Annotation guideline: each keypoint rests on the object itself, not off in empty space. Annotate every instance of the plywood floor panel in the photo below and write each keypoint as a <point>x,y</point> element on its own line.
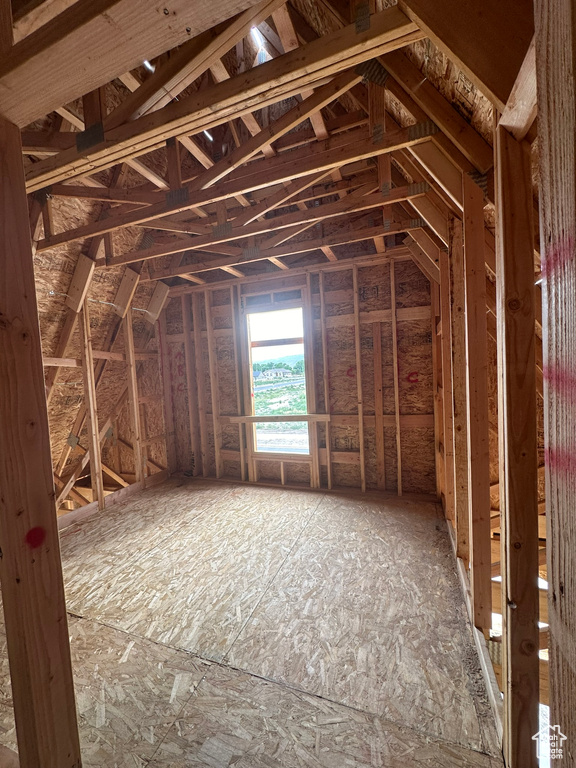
<point>186,597</point>
<point>198,584</point>
<point>129,692</point>
<point>236,719</point>
<point>367,611</point>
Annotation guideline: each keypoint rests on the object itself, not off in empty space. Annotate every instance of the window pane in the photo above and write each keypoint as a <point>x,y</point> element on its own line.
<point>282,437</point>
<point>278,380</point>
<point>279,324</point>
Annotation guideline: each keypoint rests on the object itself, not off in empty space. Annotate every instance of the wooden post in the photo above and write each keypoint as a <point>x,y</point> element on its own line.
<point>556,71</point>
<point>214,386</point>
<point>518,439</point>
<point>309,362</point>
<point>191,386</point>
<point>436,370</point>
<point>200,382</point>
<point>379,406</point>
<point>167,399</point>
<point>460,421</point>
<point>477,391</point>
<point>359,378</point>
<point>133,403</point>
<point>30,567</point>
<point>395,371</point>
<point>326,364</point>
<point>6,30</point>
<point>237,369</point>
<point>91,408</point>
<point>447,414</point>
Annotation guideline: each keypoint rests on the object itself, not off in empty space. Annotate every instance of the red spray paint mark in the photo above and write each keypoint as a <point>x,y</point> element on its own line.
<point>35,537</point>
<point>351,372</point>
<point>412,378</point>
<point>557,255</point>
<point>562,381</point>
<point>559,461</point>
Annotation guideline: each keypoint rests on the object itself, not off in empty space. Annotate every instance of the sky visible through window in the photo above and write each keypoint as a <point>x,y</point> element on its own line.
<point>279,380</point>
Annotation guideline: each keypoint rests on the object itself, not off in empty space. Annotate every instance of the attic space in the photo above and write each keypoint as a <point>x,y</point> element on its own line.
<point>287,350</point>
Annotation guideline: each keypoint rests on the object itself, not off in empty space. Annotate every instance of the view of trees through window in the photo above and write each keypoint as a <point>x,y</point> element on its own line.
<point>279,379</point>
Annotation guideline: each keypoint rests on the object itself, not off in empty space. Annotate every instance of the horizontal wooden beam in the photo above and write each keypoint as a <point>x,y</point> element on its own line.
<point>268,83</point>
<point>344,237</point>
<point>283,172</point>
<point>41,73</point>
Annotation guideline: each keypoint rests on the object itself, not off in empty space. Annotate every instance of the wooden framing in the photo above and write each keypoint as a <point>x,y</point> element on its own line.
<point>200,377</point>
<point>518,449</point>
<point>456,26</point>
<point>133,400</point>
<point>91,407</point>
<point>30,569</point>
<point>325,378</point>
<point>556,77</point>
<point>459,387</point>
<point>191,382</point>
<point>359,389</point>
<point>447,412</point>
<point>214,388</point>
<point>395,375</point>
<point>477,412</point>
<point>231,200</point>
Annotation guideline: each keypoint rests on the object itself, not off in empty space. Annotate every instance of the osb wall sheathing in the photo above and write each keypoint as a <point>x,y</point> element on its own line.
<point>415,378</point>
<point>54,270</point>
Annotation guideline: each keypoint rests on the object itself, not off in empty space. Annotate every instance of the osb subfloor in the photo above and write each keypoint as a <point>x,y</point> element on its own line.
<point>223,625</point>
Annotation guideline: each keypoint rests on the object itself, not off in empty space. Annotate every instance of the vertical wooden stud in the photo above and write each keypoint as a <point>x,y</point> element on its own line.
<point>237,365</point>
<point>91,408</point>
<point>477,391</point>
<point>200,381</point>
<point>191,384</point>
<point>359,379</point>
<point>379,405</point>
<point>6,28</point>
<point>214,386</point>
<point>326,379</point>
<point>396,381</point>
<point>436,356</point>
<point>447,414</point>
<point>518,436</point>
<point>133,403</point>
<point>460,414</point>
<point>30,567</point>
<point>556,77</point>
<point>309,360</point>
<point>174,163</point>
<point>167,395</point>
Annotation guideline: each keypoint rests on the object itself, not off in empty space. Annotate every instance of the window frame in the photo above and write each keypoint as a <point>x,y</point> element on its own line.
<point>253,419</point>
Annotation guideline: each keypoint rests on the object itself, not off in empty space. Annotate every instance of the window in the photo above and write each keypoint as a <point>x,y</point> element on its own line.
<point>278,378</point>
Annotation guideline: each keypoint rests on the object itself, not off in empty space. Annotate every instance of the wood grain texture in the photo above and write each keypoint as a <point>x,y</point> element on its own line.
<point>518,448</point>
<point>32,589</point>
<point>265,84</point>
<point>456,26</point>
<point>133,404</point>
<point>477,390</point>
<point>91,407</point>
<point>41,73</point>
<point>556,72</point>
<point>326,598</point>
<point>446,362</point>
<point>457,297</point>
